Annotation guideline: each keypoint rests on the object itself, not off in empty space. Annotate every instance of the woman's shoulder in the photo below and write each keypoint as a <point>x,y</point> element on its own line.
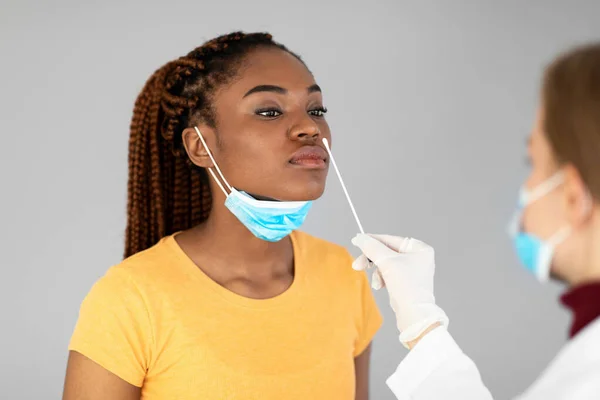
<point>146,266</point>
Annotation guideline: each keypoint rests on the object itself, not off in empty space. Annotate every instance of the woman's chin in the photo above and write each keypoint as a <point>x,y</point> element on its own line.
<point>306,193</point>
<point>289,191</point>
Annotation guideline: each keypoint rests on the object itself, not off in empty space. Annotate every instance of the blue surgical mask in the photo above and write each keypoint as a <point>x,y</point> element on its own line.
<point>535,253</point>
<point>266,219</point>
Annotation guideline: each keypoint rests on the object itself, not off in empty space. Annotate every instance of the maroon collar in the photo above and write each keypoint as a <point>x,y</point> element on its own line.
<point>584,303</point>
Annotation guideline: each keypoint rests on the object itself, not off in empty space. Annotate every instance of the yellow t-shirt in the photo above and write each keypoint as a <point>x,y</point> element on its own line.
<point>158,322</point>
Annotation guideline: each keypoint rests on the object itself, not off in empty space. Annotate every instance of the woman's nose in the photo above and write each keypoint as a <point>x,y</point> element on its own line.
<point>306,129</point>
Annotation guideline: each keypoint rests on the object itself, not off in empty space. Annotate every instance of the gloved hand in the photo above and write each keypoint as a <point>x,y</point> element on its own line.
<point>406,267</point>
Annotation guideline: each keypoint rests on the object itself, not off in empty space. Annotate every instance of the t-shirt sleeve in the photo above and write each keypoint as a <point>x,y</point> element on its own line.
<point>114,329</point>
<point>369,318</point>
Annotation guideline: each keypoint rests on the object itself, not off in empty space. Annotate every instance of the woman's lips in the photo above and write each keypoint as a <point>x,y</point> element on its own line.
<point>310,157</point>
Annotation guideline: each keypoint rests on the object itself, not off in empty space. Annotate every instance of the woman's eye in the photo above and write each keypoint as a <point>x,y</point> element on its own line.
<point>318,112</point>
<point>270,113</point>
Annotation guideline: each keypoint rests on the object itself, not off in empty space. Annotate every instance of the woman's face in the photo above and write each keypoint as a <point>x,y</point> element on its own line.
<point>269,129</point>
<point>568,205</point>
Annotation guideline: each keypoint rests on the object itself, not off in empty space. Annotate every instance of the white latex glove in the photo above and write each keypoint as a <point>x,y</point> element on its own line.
<point>405,266</point>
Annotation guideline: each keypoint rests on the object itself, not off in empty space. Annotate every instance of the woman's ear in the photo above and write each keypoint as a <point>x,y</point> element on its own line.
<point>578,199</point>
<point>194,147</point>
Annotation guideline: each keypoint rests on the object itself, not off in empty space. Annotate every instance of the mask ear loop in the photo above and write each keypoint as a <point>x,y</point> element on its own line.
<point>560,236</point>
<point>528,197</point>
<point>215,164</point>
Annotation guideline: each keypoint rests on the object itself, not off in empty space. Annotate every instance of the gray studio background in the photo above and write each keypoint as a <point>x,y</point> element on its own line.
<point>430,106</point>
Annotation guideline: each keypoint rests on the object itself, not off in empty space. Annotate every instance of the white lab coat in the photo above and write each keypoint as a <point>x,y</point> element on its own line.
<point>437,369</point>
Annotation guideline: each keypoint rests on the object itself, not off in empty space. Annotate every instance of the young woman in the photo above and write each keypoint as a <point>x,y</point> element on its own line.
<point>556,235</point>
<point>220,297</point>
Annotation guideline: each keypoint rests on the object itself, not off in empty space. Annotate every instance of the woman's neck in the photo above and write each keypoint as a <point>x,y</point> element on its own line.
<point>583,295</point>
<point>224,242</point>
<point>583,263</point>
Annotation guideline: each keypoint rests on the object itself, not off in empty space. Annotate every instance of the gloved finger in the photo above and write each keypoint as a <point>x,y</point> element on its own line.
<point>403,245</point>
<point>377,281</point>
<point>361,263</point>
<point>372,248</point>
<point>397,243</point>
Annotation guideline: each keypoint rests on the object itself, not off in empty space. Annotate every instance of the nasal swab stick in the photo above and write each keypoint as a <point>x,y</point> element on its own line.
<point>337,171</point>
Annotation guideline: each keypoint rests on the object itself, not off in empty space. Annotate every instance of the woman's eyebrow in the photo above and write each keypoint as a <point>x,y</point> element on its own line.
<point>266,88</point>
<point>278,89</point>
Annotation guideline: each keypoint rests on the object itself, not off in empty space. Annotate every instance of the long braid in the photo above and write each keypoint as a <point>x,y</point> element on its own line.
<point>166,192</point>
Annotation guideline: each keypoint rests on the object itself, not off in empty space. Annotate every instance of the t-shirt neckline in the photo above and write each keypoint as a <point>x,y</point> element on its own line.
<point>280,300</point>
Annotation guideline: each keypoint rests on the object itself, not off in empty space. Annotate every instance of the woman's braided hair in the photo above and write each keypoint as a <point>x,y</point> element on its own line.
<point>166,192</point>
